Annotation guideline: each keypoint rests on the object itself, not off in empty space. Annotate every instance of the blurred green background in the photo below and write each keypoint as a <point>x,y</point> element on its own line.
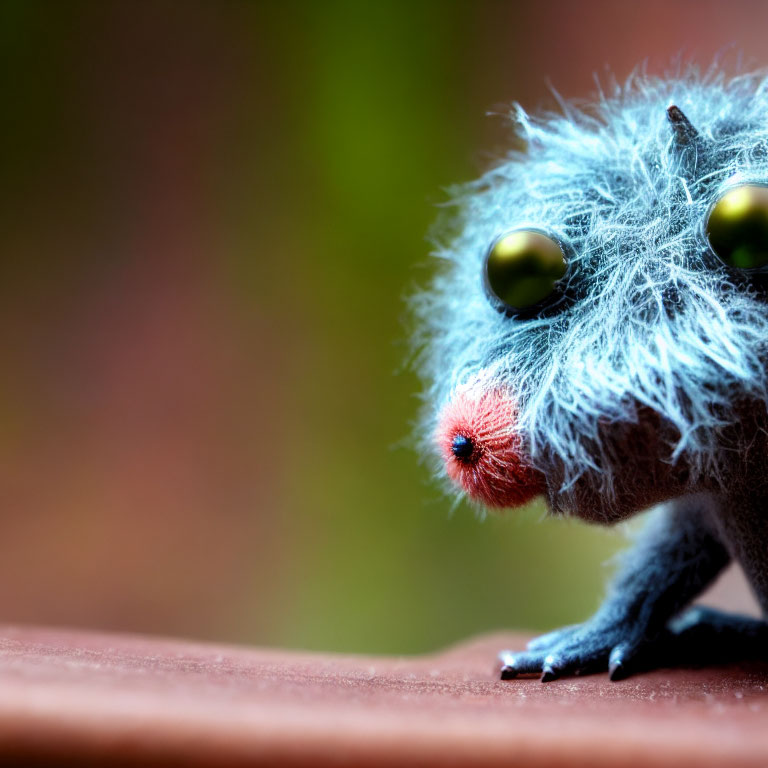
<point>211,214</point>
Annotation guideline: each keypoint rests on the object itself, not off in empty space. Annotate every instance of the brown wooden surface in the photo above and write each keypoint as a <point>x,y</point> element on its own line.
<point>84,698</point>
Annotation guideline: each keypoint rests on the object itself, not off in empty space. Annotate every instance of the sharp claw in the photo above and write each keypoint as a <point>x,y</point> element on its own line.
<point>549,674</point>
<point>617,663</point>
<point>508,672</point>
<point>617,670</point>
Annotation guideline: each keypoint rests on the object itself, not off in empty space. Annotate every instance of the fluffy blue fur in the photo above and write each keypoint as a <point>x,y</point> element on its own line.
<point>602,178</point>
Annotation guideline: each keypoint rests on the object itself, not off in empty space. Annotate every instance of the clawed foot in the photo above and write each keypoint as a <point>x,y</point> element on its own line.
<point>700,636</point>
<point>579,650</point>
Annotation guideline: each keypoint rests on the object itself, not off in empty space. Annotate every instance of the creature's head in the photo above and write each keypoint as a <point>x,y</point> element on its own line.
<point>598,330</point>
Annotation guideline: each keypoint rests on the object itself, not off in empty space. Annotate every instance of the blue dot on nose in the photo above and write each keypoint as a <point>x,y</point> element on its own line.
<point>462,447</point>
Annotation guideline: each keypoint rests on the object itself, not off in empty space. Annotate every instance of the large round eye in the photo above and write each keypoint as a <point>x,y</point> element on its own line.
<point>737,227</point>
<point>522,268</point>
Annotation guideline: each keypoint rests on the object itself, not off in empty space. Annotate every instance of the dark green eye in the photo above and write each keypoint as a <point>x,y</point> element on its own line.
<point>737,227</point>
<point>522,268</point>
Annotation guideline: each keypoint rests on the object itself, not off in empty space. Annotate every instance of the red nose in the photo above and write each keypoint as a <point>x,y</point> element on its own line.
<point>483,451</point>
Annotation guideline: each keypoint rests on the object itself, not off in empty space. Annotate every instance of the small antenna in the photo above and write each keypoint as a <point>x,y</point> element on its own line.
<point>687,144</point>
<point>685,134</point>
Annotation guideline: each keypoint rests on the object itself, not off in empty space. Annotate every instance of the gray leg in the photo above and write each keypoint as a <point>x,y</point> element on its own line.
<point>678,554</point>
<point>742,520</point>
<point>706,636</point>
<point>703,636</point>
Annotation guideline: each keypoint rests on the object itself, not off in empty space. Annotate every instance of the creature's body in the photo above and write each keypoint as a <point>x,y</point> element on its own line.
<point>641,377</point>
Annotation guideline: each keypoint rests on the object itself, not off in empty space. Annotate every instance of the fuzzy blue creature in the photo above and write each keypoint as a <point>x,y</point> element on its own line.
<point>597,333</point>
